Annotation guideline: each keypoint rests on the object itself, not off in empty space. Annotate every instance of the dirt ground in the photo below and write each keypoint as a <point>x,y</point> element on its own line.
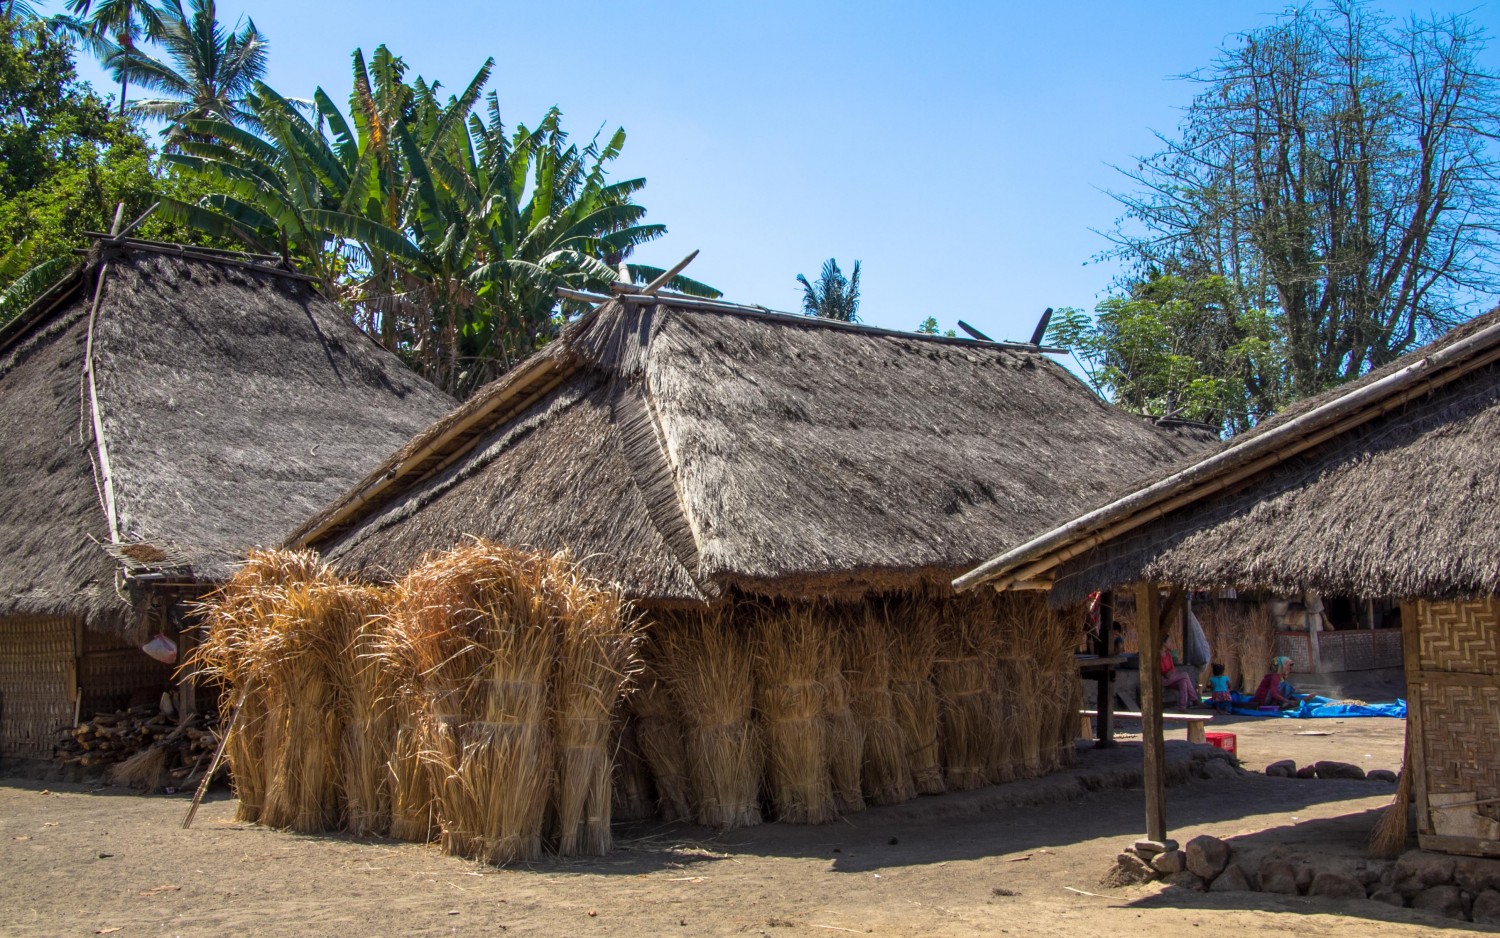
<point>82,862</point>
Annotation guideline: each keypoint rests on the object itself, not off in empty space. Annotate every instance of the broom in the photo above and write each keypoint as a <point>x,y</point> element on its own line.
<point>1388,839</point>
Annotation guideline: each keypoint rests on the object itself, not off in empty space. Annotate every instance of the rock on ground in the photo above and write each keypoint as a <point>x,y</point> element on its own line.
<point>1336,886</point>
<point>1278,876</point>
<point>1207,856</point>
<point>1444,900</point>
<point>1186,880</point>
<point>1381,775</point>
<point>1338,770</point>
<point>1284,768</point>
<point>1233,879</point>
<point>1388,896</point>
<point>1173,861</point>
<point>1487,908</point>
<point>1416,870</point>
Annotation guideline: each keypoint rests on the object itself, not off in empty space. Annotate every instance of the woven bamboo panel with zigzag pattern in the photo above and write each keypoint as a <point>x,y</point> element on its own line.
<point>1460,636</point>
<point>1462,729</point>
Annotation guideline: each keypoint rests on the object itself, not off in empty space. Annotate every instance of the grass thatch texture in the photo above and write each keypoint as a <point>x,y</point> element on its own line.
<point>597,658</point>
<point>482,636</point>
<point>886,761</point>
<point>708,666</point>
<point>1055,635</point>
<point>272,630</point>
<point>634,796</point>
<point>367,683</point>
<point>413,815</point>
<point>914,630</point>
<point>790,650</point>
<point>1242,637</point>
<point>843,734</point>
<point>659,732</point>
<point>963,675</point>
<point>146,769</point>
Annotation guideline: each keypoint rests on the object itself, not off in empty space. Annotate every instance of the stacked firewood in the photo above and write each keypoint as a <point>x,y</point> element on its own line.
<point>142,747</point>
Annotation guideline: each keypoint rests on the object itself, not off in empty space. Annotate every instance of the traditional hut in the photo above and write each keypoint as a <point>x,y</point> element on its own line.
<point>1386,487</point>
<point>166,410</point>
<point>787,499</point>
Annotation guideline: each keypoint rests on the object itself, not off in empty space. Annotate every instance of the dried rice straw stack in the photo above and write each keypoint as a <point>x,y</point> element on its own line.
<point>915,643</point>
<point>790,649</point>
<point>845,737</point>
<point>887,775</point>
<point>597,658</point>
<point>659,733</point>
<point>634,797</point>
<point>709,669</point>
<point>367,687</point>
<point>963,678</point>
<point>480,627</point>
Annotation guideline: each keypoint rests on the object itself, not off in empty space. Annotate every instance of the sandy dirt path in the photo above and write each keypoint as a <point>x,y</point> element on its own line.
<point>82,863</point>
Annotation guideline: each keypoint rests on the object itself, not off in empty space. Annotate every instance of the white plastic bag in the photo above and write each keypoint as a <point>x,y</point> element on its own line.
<point>161,648</point>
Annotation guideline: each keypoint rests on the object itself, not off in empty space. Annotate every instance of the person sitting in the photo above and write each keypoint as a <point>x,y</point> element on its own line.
<point>1218,685</point>
<point>1178,679</point>
<point>1275,690</point>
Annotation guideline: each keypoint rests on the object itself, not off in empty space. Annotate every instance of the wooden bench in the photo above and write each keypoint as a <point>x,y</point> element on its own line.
<point>1194,721</point>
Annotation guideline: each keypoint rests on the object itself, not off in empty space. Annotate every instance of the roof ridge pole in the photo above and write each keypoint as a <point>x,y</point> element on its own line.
<point>103,476</point>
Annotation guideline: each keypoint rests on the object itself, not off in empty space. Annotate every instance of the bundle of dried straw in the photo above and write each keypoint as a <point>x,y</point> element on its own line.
<point>791,649</point>
<point>914,631</point>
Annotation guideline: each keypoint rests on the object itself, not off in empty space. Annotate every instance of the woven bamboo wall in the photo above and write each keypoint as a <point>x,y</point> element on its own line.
<point>1453,671</point>
<point>37,682</point>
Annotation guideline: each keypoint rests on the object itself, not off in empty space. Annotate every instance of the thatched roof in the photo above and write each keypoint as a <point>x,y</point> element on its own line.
<point>233,402</point>
<point>1386,487</point>
<point>682,452</point>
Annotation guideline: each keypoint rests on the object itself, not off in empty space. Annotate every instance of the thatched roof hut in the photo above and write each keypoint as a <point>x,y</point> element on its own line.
<point>167,409</point>
<point>688,449</point>
<point>1386,487</point>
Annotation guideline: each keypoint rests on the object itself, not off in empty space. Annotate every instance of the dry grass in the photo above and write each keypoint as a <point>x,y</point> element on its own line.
<point>964,677</point>
<point>476,699</point>
<point>660,735</point>
<point>1242,637</point>
<point>633,794</point>
<point>146,770</point>
<point>708,666</point>
<point>791,650</point>
<point>914,628</point>
<point>843,731</point>
<point>887,766</point>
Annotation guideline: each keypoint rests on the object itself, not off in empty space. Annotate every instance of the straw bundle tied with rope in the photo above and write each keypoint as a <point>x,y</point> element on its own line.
<point>709,668</point>
<point>633,795</point>
<point>886,763</point>
<point>1053,636</point>
<point>276,630</point>
<point>790,650</point>
<point>1242,637</point>
<point>662,743</point>
<point>842,730</point>
<point>437,705</point>
<point>968,718</point>
<point>914,629</point>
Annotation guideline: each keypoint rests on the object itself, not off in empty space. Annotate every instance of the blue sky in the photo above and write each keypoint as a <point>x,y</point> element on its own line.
<point>960,150</point>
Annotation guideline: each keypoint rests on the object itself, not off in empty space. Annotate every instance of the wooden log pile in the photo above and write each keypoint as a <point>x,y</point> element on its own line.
<point>142,747</point>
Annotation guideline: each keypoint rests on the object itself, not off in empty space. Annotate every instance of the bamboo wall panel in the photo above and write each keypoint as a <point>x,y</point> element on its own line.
<point>37,681</point>
<point>1453,674</point>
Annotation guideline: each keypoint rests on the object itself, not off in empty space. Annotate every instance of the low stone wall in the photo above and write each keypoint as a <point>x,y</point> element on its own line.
<point>1462,888</point>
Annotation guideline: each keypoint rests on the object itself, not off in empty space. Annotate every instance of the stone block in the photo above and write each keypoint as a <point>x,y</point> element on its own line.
<point>1207,856</point>
<point>1417,870</point>
<point>1186,880</point>
<point>1381,775</point>
<point>1172,861</point>
<point>1283,768</point>
<point>1278,876</point>
<point>1487,907</point>
<point>1233,879</point>
<point>1332,885</point>
<point>1307,771</point>
<point>1338,770</point>
<point>1443,900</point>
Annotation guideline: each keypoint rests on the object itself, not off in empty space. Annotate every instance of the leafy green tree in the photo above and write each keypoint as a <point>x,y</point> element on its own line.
<point>208,70</point>
<point>1179,346</point>
<point>1337,173</point>
<point>66,161</point>
<point>832,296</point>
<point>446,232</point>
<point>108,28</point>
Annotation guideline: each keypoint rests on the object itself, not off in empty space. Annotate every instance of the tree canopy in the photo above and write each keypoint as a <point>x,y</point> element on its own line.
<point>1326,204</point>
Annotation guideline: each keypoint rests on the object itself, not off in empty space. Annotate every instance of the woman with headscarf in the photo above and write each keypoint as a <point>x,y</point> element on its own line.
<point>1275,690</point>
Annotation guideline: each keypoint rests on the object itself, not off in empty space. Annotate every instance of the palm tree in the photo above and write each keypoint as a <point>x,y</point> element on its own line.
<point>833,296</point>
<point>109,29</point>
<point>212,69</point>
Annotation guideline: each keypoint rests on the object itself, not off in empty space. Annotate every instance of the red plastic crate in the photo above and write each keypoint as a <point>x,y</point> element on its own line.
<point>1224,741</point>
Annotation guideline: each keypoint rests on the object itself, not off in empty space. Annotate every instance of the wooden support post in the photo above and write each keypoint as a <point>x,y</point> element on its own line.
<point>1104,649</point>
<point>1149,633</point>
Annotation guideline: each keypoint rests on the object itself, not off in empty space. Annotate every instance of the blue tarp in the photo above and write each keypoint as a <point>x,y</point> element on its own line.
<point>1322,708</point>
